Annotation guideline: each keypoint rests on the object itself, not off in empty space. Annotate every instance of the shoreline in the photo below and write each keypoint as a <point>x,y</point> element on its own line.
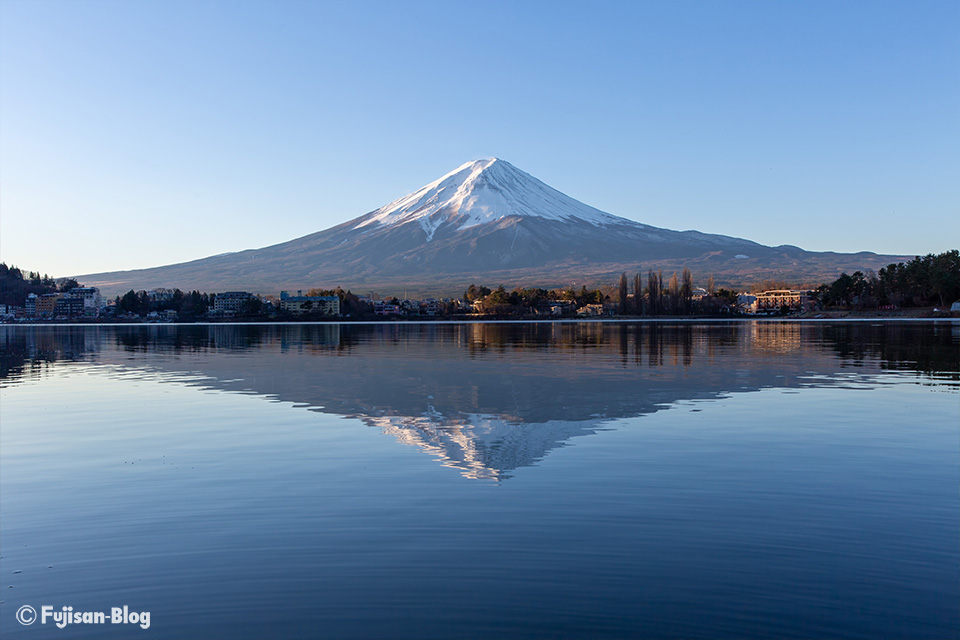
<point>620,320</point>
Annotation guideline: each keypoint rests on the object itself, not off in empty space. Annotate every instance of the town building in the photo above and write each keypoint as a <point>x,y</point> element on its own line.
<point>92,300</point>
<point>431,306</point>
<point>590,310</point>
<point>324,305</point>
<point>46,304</point>
<point>747,303</point>
<point>777,299</point>
<point>231,302</point>
<point>384,308</point>
<point>557,308</point>
<point>68,307</point>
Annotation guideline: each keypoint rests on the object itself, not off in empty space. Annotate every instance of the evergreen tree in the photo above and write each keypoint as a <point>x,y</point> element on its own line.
<point>66,284</point>
<point>129,303</point>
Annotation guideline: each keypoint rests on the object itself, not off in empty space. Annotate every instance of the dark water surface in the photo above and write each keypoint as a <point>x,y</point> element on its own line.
<point>582,480</point>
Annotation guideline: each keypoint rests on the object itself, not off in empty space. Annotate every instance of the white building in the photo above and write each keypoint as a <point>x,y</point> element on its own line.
<point>326,305</point>
<point>231,302</point>
<point>92,300</point>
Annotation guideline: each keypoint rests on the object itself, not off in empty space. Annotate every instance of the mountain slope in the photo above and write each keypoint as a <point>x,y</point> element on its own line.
<point>486,221</point>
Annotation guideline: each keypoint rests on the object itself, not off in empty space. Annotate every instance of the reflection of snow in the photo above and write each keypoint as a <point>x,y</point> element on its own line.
<point>482,446</point>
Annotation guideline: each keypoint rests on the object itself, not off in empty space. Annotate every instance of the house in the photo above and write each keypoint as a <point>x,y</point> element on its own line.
<point>590,310</point>
<point>384,308</point>
<point>747,303</point>
<point>561,307</point>
<point>431,307</point>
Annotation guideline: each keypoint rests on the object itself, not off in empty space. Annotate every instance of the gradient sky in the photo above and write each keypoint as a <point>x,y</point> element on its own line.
<point>136,134</point>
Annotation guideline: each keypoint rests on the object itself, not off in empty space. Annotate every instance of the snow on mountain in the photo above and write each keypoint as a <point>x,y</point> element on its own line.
<point>480,192</point>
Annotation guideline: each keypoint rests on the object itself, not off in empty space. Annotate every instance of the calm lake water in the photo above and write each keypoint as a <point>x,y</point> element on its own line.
<point>582,480</point>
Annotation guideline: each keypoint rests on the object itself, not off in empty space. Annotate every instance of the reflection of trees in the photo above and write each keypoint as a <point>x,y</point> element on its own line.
<point>923,347</point>
<point>26,351</point>
<point>173,339</point>
<point>489,398</point>
<point>226,337</point>
<point>932,349</point>
<point>501,338</point>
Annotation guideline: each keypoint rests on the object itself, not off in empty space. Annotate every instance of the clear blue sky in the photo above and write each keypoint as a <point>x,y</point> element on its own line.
<point>140,133</point>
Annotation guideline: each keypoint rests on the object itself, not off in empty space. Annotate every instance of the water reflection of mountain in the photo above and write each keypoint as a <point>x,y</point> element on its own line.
<point>491,398</point>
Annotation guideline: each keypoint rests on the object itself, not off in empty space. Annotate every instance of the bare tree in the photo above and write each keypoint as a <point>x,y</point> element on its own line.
<point>622,294</point>
<point>673,291</point>
<point>686,290</point>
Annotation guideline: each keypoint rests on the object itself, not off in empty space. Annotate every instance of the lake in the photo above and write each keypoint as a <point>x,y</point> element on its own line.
<point>502,480</point>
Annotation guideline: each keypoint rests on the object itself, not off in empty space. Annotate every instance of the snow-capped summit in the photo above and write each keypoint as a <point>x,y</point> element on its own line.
<point>479,192</point>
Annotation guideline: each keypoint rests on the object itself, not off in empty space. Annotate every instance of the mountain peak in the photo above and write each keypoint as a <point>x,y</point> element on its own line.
<point>481,192</point>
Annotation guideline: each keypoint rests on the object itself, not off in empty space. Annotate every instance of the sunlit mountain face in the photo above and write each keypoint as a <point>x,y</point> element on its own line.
<point>486,221</point>
<point>487,400</point>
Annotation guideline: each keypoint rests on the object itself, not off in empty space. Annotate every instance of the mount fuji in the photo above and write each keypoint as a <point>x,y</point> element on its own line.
<point>486,222</point>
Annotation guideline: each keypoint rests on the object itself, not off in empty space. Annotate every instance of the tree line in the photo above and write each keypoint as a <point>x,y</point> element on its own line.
<point>350,305</point>
<point>654,296</point>
<point>524,301</point>
<point>16,285</point>
<point>186,305</point>
<point>924,281</point>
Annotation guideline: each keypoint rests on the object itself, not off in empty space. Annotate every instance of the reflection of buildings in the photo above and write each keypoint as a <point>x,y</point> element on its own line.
<point>777,337</point>
<point>25,351</point>
<point>310,337</point>
<point>488,399</point>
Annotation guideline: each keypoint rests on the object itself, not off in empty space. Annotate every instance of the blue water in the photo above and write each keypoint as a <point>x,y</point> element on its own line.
<point>583,480</point>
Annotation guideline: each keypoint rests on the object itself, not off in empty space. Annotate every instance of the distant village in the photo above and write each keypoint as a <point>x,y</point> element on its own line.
<point>158,305</point>
<point>931,281</point>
